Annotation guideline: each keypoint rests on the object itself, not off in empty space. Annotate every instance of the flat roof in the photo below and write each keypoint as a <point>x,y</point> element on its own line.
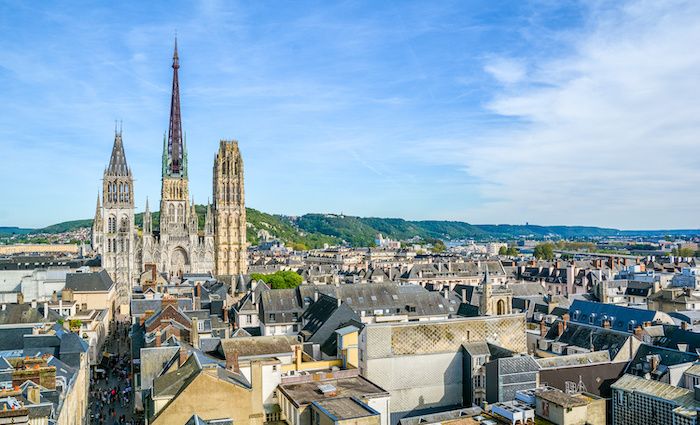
<point>307,392</point>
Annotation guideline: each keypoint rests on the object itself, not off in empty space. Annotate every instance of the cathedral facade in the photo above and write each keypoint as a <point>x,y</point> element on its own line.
<point>178,245</point>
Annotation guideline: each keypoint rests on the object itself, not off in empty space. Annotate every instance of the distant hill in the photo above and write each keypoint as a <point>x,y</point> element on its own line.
<point>9,231</point>
<point>315,230</point>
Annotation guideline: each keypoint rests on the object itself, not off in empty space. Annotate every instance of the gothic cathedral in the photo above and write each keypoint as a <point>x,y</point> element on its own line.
<point>178,246</point>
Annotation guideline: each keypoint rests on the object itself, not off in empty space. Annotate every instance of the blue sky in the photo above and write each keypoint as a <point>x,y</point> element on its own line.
<point>545,112</point>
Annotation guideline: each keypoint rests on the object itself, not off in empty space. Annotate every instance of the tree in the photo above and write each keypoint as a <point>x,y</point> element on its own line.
<point>683,252</point>
<point>503,250</point>
<point>512,251</point>
<point>544,251</point>
<point>439,246</point>
<point>280,279</point>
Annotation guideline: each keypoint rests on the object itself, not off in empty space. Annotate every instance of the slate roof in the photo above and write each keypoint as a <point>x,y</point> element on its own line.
<point>620,317</point>
<point>152,361</point>
<point>324,318</point>
<point>667,357</point>
<point>170,384</point>
<point>89,282</point>
<point>16,314</point>
<point>141,306</point>
<point>583,336</point>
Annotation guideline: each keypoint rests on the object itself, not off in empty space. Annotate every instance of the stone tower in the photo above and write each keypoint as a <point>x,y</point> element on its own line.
<point>494,301</point>
<point>229,211</point>
<point>113,229</point>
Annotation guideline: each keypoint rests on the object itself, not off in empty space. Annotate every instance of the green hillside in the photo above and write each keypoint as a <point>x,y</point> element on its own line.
<point>315,230</point>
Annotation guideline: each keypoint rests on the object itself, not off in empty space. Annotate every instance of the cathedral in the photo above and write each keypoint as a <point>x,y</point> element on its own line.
<point>178,246</point>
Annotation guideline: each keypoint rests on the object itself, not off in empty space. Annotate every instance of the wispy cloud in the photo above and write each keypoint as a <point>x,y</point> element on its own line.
<point>606,130</point>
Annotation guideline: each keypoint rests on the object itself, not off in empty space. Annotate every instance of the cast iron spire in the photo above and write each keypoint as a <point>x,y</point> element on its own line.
<point>175,148</point>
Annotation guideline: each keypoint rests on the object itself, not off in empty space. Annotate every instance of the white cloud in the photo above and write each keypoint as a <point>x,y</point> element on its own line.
<point>506,71</point>
<point>607,134</point>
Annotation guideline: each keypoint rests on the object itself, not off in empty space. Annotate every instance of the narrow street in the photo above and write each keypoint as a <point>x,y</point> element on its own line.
<point>111,395</point>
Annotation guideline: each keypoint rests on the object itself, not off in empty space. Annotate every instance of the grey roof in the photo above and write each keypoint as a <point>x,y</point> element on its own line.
<point>141,306</point>
<point>152,361</point>
<point>323,318</point>
<point>171,383</point>
<point>17,314</point>
<point>619,316</point>
<point>589,337</point>
<point>89,282</point>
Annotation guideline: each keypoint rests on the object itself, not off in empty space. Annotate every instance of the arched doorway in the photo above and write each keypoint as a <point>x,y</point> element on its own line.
<point>179,263</point>
<point>500,307</point>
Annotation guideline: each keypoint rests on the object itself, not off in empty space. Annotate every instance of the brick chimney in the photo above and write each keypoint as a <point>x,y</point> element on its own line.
<point>565,318</point>
<point>638,331</point>
<point>560,328</point>
<point>543,328</point>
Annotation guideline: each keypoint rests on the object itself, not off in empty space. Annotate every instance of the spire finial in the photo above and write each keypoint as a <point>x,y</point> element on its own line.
<point>176,62</point>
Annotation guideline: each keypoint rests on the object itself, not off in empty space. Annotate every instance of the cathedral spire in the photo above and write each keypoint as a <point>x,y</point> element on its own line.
<point>175,149</point>
<point>117,162</point>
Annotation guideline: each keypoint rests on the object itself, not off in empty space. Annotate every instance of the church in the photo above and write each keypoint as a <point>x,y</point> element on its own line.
<point>177,246</point>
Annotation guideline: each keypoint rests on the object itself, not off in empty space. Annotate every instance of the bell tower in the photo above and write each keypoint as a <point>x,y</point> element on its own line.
<point>116,239</point>
<point>229,211</point>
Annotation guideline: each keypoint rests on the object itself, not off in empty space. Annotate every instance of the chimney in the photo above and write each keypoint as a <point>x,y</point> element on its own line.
<point>638,332</point>
<point>232,361</point>
<point>446,292</point>
<point>606,324</point>
<point>67,295</point>
<point>560,328</point>
<point>34,394</point>
<point>225,315</point>
<point>184,355</point>
<point>20,298</point>
<point>654,362</point>
<point>298,357</point>
<point>4,307</point>
<point>54,297</point>
<point>339,301</point>
<point>464,295</point>
<point>315,296</point>
<point>46,310</point>
<point>157,340</point>
<point>565,318</point>
<point>33,303</point>
<point>194,333</point>
<point>684,326</point>
<point>543,328</point>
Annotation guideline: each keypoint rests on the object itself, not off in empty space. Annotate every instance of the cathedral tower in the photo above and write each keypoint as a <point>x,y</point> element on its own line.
<point>113,229</point>
<point>174,204</point>
<point>229,211</point>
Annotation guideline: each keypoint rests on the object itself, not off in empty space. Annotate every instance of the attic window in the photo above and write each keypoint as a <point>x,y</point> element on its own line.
<point>373,298</point>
